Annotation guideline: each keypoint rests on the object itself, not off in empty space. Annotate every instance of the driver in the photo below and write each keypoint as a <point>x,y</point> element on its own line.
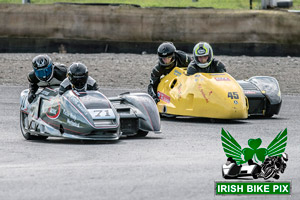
<point>204,60</point>
<point>44,74</point>
<point>168,58</point>
<point>78,79</point>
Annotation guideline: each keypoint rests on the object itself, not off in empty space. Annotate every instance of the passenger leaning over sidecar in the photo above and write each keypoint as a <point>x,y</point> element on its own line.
<point>168,58</point>
<point>78,79</point>
<point>45,74</point>
<point>204,60</point>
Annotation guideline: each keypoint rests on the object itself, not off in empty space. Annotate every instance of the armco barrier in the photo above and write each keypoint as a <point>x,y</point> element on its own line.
<point>47,27</point>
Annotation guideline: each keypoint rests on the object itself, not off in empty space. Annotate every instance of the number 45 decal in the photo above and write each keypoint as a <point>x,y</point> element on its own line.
<point>233,95</point>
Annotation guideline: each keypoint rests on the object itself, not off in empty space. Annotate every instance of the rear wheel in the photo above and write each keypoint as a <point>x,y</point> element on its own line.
<point>24,123</point>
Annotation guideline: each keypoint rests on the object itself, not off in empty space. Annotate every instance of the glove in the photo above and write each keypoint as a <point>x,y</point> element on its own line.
<point>31,97</point>
<point>156,99</point>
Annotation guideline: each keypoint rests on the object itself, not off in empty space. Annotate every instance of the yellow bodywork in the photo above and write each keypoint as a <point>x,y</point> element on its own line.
<point>210,95</point>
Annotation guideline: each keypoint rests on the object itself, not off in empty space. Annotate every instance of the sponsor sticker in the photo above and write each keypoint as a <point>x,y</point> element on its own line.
<point>222,79</point>
<point>177,73</point>
<point>217,74</point>
<point>53,112</point>
<point>163,97</point>
<point>249,92</point>
<point>44,92</point>
<point>73,123</point>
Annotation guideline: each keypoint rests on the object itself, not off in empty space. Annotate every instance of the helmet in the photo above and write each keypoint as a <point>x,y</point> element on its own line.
<point>285,156</point>
<point>43,67</point>
<point>166,49</point>
<point>203,49</point>
<point>78,75</point>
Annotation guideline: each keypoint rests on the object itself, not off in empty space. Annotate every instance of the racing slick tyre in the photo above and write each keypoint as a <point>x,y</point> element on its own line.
<point>26,135</point>
<point>268,113</point>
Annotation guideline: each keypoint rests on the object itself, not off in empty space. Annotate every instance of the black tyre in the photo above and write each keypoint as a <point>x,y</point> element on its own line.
<point>268,113</point>
<point>276,176</point>
<point>27,135</point>
<point>269,173</point>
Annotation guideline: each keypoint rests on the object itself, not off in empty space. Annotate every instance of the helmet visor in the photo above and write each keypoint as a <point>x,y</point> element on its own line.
<point>79,82</point>
<point>166,60</point>
<point>43,73</point>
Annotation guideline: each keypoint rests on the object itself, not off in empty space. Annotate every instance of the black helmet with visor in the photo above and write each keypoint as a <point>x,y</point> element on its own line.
<point>166,50</point>
<point>78,75</point>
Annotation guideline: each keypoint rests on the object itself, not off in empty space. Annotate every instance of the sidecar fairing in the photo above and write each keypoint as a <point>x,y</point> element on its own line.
<point>263,94</point>
<point>85,115</point>
<point>209,95</point>
<point>138,114</point>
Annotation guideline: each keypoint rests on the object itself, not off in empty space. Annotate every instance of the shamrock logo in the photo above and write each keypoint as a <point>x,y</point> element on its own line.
<point>258,153</point>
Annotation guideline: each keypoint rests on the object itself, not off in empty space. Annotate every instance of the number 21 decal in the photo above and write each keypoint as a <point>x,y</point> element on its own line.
<point>233,95</point>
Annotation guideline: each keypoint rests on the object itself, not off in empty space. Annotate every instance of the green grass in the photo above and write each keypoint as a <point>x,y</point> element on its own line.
<point>218,4</point>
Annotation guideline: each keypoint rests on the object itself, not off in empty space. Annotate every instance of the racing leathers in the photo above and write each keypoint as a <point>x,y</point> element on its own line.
<point>215,66</point>
<point>66,85</point>
<point>181,60</point>
<point>59,73</point>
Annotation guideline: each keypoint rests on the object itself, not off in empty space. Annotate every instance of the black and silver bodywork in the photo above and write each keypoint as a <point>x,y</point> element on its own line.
<point>87,115</point>
<point>264,96</point>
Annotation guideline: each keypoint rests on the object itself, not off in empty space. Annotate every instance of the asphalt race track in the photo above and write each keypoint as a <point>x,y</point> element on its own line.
<point>181,163</point>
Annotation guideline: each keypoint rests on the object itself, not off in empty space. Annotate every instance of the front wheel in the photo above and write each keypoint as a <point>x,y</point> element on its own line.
<point>27,135</point>
<point>269,173</point>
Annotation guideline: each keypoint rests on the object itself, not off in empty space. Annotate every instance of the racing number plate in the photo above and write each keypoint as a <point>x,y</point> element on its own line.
<point>102,113</point>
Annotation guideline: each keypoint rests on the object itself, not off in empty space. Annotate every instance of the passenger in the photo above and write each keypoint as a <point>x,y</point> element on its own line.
<point>204,60</point>
<point>44,74</point>
<point>168,58</point>
<point>78,79</point>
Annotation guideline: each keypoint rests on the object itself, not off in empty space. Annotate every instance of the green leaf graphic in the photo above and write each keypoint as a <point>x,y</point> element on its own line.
<point>254,143</point>
<point>254,151</point>
<point>261,154</point>
<point>277,146</point>
<point>231,147</point>
<point>248,153</point>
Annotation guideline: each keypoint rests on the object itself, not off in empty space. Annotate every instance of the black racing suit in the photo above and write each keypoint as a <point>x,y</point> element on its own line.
<point>66,85</point>
<point>214,67</point>
<point>181,60</point>
<point>59,73</point>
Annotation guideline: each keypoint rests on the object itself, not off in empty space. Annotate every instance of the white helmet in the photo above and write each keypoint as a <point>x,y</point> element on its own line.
<point>203,49</point>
